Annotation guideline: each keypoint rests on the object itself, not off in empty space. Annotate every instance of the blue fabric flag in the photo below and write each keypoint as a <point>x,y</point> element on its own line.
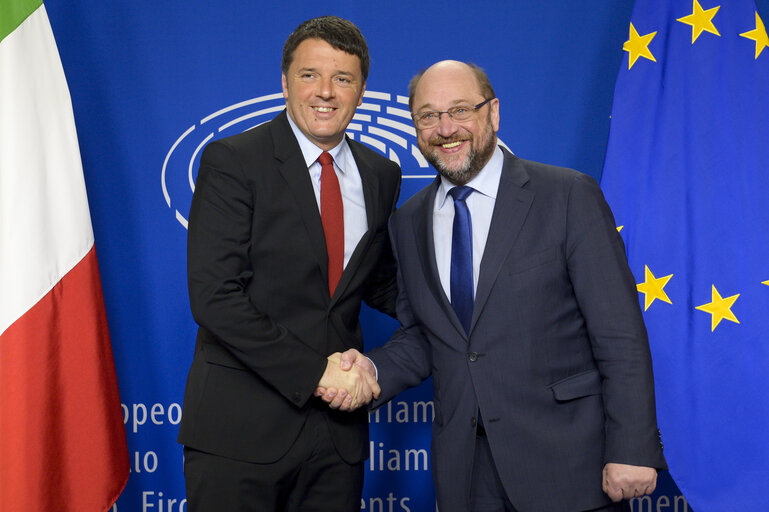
<point>687,176</point>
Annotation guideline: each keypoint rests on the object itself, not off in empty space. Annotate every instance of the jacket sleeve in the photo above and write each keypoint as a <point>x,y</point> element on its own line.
<point>607,297</point>
<point>405,360</point>
<point>382,287</point>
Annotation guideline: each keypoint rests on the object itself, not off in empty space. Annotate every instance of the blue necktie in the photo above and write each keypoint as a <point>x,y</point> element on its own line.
<point>461,283</point>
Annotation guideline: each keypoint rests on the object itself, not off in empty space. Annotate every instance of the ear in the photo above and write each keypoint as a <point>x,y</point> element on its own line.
<point>363,89</point>
<point>494,113</point>
<point>284,83</point>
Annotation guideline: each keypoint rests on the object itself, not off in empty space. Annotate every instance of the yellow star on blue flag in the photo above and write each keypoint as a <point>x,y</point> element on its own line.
<point>701,20</point>
<point>720,308</point>
<point>653,288</point>
<point>758,35</point>
<point>638,46</point>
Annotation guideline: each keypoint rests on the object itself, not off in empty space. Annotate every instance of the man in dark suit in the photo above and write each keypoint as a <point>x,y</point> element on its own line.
<point>287,235</point>
<point>516,296</point>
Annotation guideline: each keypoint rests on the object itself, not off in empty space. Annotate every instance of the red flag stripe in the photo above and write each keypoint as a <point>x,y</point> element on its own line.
<point>62,439</point>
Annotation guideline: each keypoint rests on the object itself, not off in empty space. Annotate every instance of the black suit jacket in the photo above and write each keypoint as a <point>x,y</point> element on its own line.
<point>257,275</point>
<point>557,358</point>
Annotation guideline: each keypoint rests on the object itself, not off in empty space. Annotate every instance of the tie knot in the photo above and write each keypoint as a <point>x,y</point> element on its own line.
<point>460,193</point>
<point>325,159</point>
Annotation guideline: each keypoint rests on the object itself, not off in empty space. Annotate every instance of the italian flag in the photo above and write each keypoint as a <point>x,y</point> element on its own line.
<point>62,440</point>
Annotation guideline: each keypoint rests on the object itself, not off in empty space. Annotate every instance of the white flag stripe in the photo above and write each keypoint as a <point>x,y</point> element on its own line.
<point>41,239</point>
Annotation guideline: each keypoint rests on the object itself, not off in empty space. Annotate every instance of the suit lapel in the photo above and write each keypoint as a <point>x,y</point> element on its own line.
<point>425,244</point>
<point>510,210</point>
<point>293,168</point>
<point>370,182</point>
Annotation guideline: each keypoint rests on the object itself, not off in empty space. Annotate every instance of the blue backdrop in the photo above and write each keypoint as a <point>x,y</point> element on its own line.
<point>152,81</point>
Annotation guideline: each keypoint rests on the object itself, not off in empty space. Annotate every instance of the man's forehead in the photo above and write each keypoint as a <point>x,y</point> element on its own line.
<point>432,91</point>
<point>314,55</point>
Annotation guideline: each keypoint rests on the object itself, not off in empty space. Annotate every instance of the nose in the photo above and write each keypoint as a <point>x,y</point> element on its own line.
<point>325,87</point>
<point>446,125</point>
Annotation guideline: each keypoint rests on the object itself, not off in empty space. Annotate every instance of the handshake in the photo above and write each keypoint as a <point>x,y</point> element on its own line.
<point>348,382</point>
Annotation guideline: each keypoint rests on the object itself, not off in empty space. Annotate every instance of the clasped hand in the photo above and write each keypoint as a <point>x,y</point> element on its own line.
<point>348,382</point>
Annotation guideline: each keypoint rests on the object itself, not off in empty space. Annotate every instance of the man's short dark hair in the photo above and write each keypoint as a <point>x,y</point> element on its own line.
<point>487,91</point>
<point>338,32</point>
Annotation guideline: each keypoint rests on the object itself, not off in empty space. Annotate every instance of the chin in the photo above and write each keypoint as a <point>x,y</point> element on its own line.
<point>455,168</point>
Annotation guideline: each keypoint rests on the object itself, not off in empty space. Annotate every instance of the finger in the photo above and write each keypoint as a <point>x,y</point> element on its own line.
<point>615,494</point>
<point>650,488</point>
<point>338,399</point>
<point>364,397</point>
<point>370,391</point>
<point>652,485</point>
<point>329,395</point>
<point>347,404</point>
<point>356,404</point>
<point>607,489</point>
<point>370,381</point>
<point>319,391</point>
<point>376,391</point>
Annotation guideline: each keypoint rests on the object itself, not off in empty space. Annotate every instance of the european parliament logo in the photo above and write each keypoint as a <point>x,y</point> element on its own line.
<point>382,122</point>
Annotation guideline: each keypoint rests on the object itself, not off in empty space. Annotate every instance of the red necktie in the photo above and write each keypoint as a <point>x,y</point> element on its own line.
<point>332,217</point>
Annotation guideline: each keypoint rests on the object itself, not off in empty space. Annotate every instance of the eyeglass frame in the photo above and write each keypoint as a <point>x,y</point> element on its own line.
<point>415,116</point>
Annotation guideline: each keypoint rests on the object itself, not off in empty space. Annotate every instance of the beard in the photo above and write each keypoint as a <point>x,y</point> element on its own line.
<point>462,172</point>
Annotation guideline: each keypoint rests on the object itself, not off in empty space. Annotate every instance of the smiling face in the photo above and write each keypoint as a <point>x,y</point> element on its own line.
<point>458,150</point>
<point>323,86</point>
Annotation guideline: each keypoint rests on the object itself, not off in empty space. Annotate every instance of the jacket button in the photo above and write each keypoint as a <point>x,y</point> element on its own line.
<point>473,356</point>
<point>473,422</point>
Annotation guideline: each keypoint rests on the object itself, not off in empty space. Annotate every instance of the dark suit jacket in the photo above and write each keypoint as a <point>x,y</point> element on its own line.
<point>557,359</point>
<point>257,272</point>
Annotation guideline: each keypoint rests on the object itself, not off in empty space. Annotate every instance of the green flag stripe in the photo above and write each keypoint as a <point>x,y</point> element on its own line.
<point>13,12</point>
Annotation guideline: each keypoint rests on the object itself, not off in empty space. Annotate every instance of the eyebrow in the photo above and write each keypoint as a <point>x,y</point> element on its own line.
<point>453,103</point>
<point>335,72</point>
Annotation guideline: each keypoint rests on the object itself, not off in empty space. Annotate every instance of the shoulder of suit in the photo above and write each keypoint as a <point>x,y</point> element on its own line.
<point>542,173</point>
<point>370,155</point>
<point>417,202</point>
<point>258,136</point>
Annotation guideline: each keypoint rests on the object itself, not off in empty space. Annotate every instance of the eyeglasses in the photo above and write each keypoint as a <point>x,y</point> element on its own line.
<point>430,119</point>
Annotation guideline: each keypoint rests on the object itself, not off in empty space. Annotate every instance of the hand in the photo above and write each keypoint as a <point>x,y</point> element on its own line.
<point>623,481</point>
<point>346,385</point>
<point>339,398</point>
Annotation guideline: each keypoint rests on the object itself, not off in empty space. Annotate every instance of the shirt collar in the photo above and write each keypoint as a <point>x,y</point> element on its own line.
<point>340,153</point>
<point>485,182</point>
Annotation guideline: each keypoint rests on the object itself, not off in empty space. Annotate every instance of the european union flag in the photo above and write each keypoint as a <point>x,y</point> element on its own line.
<point>687,176</point>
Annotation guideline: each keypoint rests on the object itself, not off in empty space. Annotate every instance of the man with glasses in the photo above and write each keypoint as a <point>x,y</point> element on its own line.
<point>516,296</point>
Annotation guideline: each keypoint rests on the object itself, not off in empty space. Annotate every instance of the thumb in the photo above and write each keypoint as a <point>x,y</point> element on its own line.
<point>348,358</point>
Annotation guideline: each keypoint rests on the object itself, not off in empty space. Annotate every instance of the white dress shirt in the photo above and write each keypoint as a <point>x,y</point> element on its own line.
<point>481,205</point>
<point>355,221</point>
